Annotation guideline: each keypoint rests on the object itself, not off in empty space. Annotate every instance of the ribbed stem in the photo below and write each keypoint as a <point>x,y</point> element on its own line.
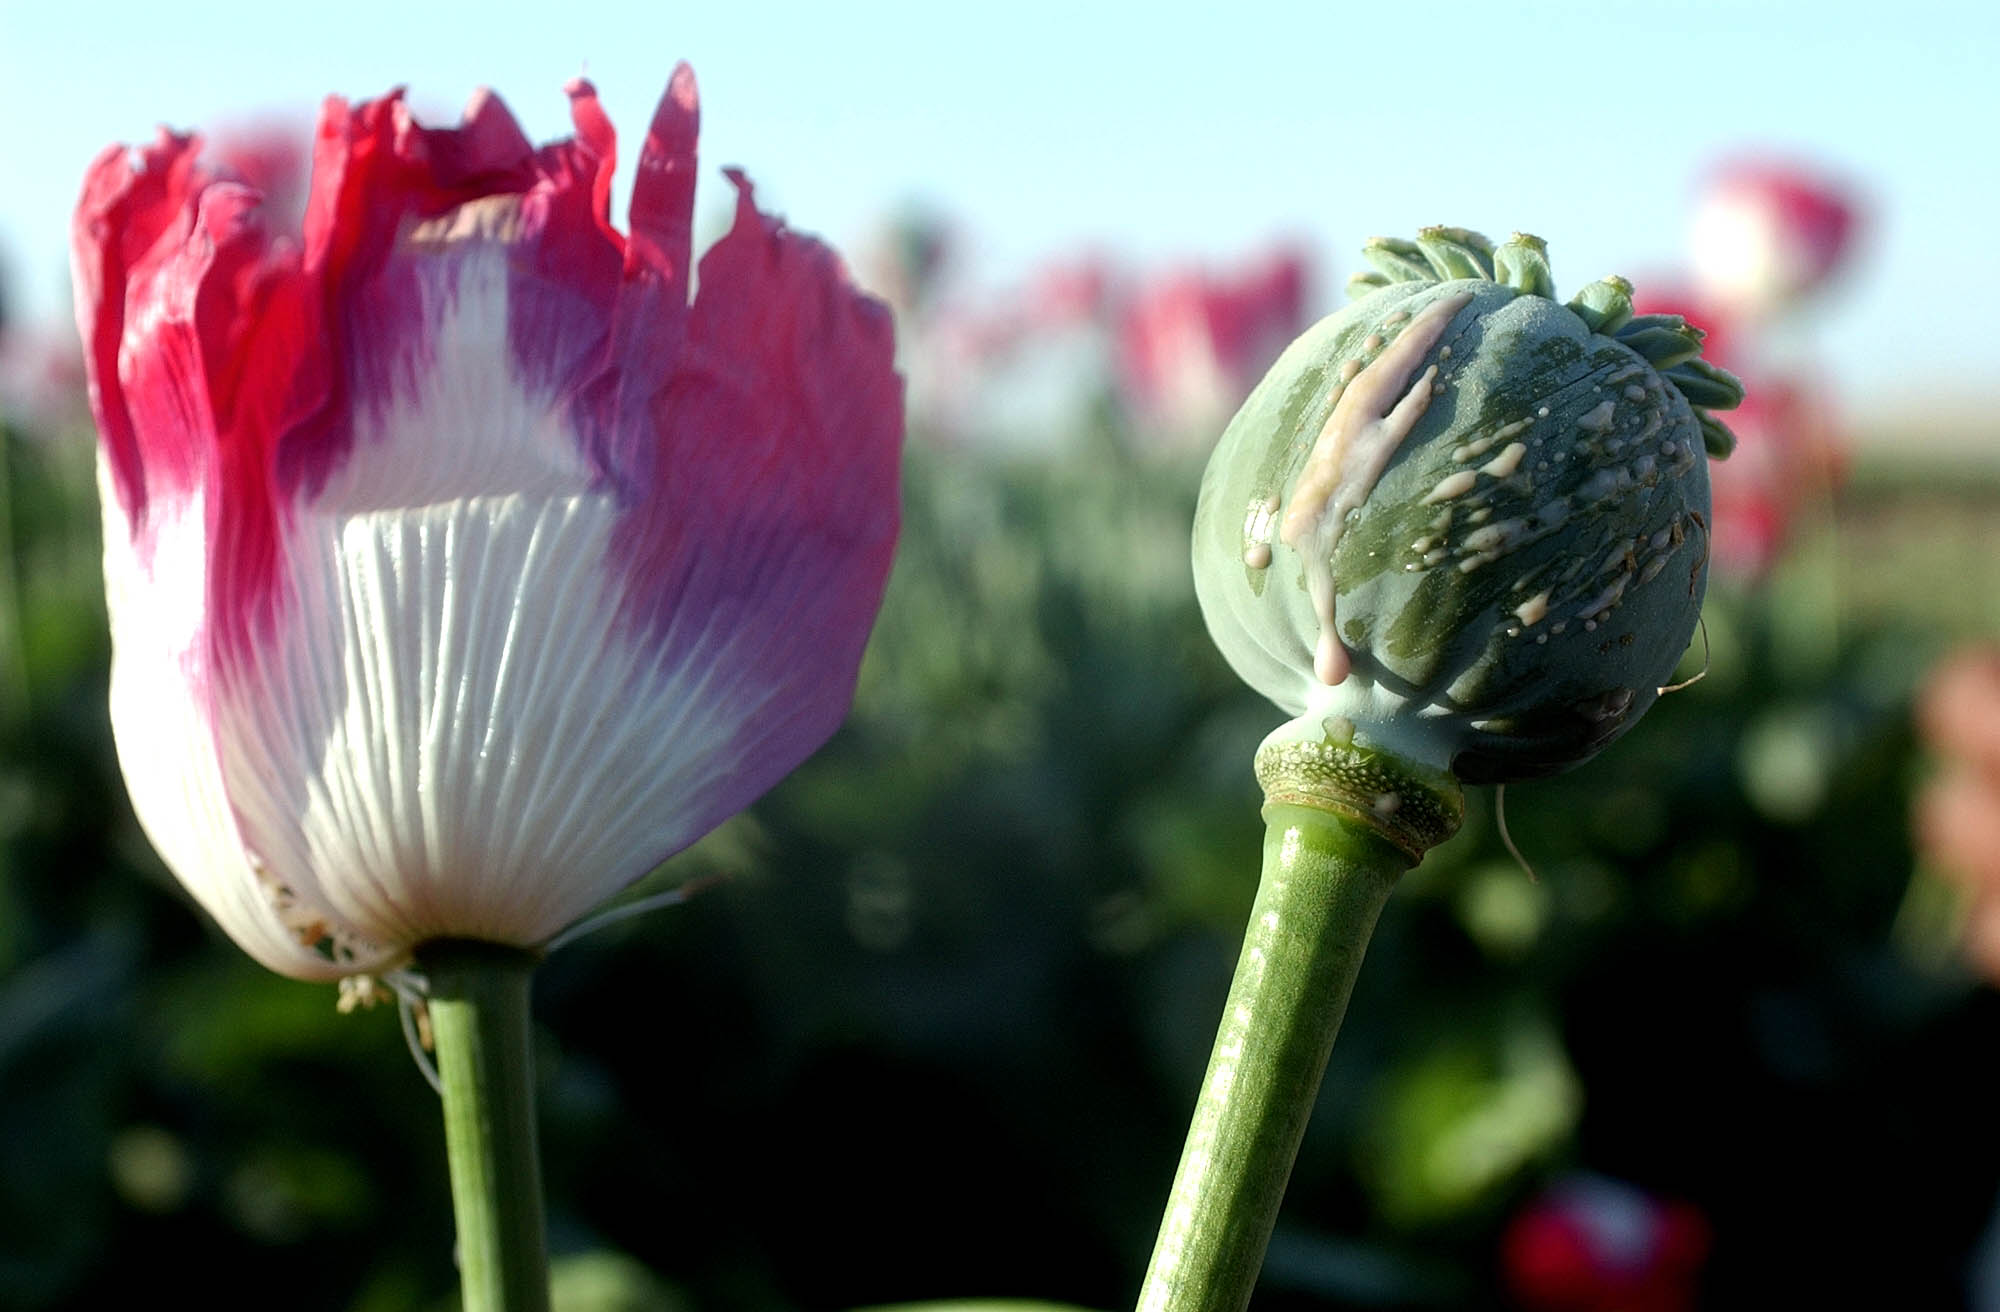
<point>1325,881</point>
<point>478,1003</point>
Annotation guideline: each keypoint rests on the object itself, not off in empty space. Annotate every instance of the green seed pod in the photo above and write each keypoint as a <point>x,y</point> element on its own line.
<point>1463,521</point>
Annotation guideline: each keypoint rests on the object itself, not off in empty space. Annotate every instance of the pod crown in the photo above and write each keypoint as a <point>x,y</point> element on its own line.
<point>1668,342</point>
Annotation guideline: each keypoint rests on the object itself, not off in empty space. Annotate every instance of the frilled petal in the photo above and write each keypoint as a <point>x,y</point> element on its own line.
<point>134,201</point>
<point>759,553</point>
<point>171,270</point>
<point>565,570</point>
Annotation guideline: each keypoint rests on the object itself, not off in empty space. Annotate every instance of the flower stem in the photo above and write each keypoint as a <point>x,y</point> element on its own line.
<point>478,1003</point>
<point>1326,877</point>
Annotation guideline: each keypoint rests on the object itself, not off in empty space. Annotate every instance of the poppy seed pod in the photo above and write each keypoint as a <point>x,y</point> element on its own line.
<point>1462,521</point>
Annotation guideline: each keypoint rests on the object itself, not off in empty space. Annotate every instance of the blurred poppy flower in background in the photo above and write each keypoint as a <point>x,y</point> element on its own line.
<point>1192,344</point>
<point>1014,370</point>
<point>460,569</point>
<point>1593,1244</point>
<point>1169,355</point>
<point>1958,813</point>
<point>1790,455</point>
<point>1767,233</point>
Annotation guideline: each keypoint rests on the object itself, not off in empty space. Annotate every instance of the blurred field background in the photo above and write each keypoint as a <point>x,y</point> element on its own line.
<point>932,1027</point>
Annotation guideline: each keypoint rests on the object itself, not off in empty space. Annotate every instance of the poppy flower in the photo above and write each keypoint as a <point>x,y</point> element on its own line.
<point>461,567</point>
<point>1767,234</point>
<point>1191,345</point>
<point>1592,1244</point>
<point>1957,819</point>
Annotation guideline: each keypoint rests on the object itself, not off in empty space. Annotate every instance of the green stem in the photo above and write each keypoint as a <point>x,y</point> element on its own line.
<point>1326,878</point>
<point>478,1003</point>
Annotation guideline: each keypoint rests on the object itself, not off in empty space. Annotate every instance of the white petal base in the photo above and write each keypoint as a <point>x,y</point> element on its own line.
<point>455,734</point>
<point>450,730</point>
<point>160,681</point>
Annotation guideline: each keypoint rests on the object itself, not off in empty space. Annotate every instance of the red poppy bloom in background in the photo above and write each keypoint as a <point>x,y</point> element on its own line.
<point>461,568</point>
<point>1591,1244</point>
<point>1957,818</point>
<point>1767,233</point>
<point>1192,345</point>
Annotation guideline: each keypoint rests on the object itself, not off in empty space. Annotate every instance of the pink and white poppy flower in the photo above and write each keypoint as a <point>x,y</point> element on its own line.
<point>460,567</point>
<point>1766,234</point>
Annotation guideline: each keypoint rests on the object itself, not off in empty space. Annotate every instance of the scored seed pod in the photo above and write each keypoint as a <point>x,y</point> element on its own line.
<point>1462,521</point>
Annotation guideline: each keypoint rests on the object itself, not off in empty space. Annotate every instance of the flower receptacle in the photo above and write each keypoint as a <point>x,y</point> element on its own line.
<point>1329,768</point>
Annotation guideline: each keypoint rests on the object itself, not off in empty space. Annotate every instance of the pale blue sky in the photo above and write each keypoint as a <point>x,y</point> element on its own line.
<point>1156,133</point>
